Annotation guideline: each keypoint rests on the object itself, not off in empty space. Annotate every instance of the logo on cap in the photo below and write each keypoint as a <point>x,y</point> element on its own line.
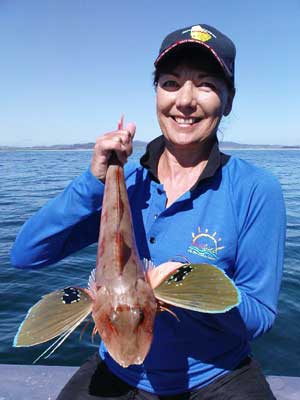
<point>199,33</point>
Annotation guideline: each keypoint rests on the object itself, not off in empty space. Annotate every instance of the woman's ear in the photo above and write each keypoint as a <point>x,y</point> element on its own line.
<point>229,102</point>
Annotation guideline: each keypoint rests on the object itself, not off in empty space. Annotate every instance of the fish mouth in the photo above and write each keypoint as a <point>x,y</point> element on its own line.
<point>125,363</point>
<point>127,358</point>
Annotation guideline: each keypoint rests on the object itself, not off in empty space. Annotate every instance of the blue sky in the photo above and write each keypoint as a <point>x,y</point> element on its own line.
<point>70,68</point>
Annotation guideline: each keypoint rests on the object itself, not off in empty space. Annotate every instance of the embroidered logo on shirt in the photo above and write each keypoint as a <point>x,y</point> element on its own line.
<point>205,245</point>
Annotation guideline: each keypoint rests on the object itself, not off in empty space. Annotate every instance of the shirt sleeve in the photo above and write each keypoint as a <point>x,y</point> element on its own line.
<point>260,253</point>
<point>67,223</point>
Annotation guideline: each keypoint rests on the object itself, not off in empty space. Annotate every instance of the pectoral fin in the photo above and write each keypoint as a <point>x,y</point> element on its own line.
<point>199,287</point>
<point>56,314</point>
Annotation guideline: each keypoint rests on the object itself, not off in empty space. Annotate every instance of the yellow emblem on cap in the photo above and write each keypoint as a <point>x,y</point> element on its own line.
<point>202,34</point>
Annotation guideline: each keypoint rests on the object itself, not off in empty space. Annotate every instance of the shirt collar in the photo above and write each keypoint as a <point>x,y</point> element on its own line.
<point>155,148</point>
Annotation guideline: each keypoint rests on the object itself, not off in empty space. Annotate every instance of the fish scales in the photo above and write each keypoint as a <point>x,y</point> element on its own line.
<point>116,228</point>
<point>125,306</point>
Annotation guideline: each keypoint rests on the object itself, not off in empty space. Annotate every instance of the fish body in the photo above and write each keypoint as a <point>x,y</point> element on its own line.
<point>124,306</point>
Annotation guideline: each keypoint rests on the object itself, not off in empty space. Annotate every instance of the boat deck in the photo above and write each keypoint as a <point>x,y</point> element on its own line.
<point>41,382</point>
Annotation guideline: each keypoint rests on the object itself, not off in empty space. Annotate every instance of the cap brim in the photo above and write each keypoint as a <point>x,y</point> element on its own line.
<point>203,45</point>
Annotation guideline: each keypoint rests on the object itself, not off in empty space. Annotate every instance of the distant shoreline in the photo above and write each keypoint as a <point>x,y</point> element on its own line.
<point>141,145</point>
<point>90,150</point>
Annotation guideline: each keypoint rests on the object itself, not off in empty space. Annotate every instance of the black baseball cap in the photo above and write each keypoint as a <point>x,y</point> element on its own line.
<point>219,45</point>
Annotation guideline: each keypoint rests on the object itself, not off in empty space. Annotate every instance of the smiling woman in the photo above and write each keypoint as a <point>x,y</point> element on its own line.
<point>186,198</point>
<point>192,95</point>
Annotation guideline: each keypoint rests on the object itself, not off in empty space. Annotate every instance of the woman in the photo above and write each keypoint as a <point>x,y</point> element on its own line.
<point>187,198</point>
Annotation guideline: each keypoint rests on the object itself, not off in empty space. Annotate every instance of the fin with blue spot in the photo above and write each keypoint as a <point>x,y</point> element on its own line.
<point>56,314</point>
<point>199,287</point>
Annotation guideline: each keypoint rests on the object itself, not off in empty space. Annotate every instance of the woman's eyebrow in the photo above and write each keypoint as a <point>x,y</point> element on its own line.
<point>199,75</point>
<point>171,73</point>
<point>208,74</point>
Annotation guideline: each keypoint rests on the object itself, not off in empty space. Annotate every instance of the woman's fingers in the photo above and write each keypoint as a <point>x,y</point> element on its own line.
<point>130,128</point>
<point>119,141</point>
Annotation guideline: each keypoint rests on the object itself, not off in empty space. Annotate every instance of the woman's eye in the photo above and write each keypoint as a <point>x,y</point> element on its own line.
<point>208,85</point>
<point>170,84</point>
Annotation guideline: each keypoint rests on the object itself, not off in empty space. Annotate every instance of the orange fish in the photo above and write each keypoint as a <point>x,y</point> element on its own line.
<point>124,295</point>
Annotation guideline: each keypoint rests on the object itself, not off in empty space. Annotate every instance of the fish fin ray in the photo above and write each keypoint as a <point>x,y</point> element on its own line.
<point>165,308</point>
<point>55,314</point>
<point>148,267</point>
<point>199,287</point>
<point>92,282</point>
<point>58,342</point>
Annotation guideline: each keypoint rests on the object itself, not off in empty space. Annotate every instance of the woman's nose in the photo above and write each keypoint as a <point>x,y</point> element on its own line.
<point>186,96</point>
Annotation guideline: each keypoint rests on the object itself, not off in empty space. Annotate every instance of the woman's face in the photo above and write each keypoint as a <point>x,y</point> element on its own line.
<point>190,104</point>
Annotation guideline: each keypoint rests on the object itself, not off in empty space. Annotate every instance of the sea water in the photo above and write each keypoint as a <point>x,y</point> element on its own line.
<point>28,179</point>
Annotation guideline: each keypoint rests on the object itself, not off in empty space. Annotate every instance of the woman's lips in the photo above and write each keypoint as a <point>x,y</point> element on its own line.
<point>186,121</point>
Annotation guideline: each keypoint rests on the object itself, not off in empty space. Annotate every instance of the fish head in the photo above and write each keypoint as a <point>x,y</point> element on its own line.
<point>126,327</point>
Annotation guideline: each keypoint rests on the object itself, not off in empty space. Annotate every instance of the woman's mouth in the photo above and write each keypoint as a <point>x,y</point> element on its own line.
<point>184,121</point>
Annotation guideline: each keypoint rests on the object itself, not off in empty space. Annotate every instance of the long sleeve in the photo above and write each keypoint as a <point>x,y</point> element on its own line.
<point>260,253</point>
<point>66,224</point>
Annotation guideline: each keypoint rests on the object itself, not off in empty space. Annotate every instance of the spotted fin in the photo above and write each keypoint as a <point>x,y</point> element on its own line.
<point>56,314</point>
<point>199,287</point>
<point>156,275</point>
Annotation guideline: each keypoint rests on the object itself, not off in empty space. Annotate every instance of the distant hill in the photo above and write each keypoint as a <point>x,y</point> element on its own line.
<point>234,145</point>
<point>76,146</point>
<point>140,144</point>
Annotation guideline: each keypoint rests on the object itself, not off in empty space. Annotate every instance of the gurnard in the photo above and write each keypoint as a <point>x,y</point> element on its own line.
<point>124,294</point>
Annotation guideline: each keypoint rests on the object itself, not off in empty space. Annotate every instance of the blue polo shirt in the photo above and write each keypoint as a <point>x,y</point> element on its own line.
<point>233,217</point>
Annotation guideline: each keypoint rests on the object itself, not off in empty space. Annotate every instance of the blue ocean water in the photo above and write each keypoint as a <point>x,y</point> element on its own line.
<point>30,178</point>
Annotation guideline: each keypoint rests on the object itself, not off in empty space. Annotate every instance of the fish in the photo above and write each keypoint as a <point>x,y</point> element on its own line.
<point>124,293</point>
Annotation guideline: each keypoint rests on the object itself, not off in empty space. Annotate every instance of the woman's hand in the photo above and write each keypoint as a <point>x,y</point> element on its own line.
<point>119,141</point>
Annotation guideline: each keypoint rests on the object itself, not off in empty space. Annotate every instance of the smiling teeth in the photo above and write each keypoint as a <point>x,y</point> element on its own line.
<point>186,120</point>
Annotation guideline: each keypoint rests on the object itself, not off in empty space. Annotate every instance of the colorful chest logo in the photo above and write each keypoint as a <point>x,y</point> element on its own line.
<point>199,33</point>
<point>205,245</point>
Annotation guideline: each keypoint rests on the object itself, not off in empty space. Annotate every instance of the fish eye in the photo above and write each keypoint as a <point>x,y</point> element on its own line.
<point>114,316</point>
<point>139,313</point>
<point>142,316</point>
